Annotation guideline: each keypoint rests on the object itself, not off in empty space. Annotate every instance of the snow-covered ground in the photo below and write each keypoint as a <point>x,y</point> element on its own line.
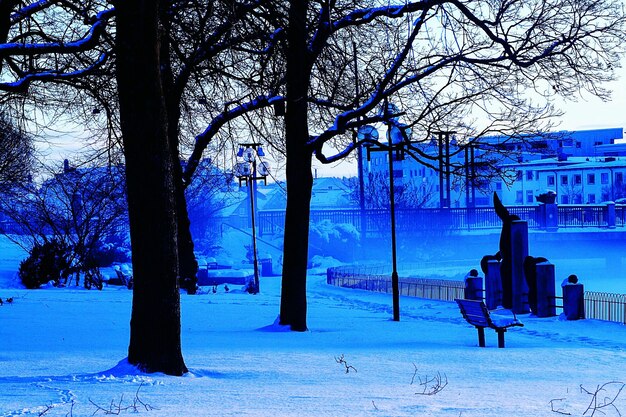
<point>62,354</point>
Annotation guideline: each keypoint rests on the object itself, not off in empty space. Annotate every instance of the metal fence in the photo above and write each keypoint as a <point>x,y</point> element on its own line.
<point>376,221</point>
<point>598,305</point>
<point>605,306</point>
<point>376,278</point>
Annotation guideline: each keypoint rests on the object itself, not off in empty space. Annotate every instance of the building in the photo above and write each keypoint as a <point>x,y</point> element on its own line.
<point>580,166</point>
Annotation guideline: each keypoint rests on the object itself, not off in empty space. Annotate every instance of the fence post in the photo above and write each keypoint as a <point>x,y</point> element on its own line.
<point>519,252</point>
<point>610,218</point>
<point>473,288</point>
<point>546,306</point>
<point>574,301</point>
<point>552,217</point>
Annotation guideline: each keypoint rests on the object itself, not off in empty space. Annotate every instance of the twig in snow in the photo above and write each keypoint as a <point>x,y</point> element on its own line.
<point>48,407</point>
<point>608,401</point>
<point>340,360</point>
<point>558,410</point>
<point>116,408</point>
<point>432,385</point>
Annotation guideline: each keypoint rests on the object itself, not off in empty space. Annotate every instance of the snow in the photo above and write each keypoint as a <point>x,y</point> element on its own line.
<point>65,348</point>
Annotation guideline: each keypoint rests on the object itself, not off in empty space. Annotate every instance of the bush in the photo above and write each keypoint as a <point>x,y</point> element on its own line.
<point>108,253</point>
<point>45,263</point>
<point>339,240</point>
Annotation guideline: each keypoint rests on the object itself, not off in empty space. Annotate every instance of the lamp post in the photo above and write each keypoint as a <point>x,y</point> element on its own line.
<point>397,138</point>
<point>249,170</point>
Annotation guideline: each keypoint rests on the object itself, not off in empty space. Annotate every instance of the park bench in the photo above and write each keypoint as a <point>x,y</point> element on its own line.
<point>476,314</point>
<point>122,278</point>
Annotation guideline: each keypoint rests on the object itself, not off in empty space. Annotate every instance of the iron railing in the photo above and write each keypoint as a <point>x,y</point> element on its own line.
<point>376,278</point>
<point>605,306</point>
<point>376,221</point>
<point>598,305</point>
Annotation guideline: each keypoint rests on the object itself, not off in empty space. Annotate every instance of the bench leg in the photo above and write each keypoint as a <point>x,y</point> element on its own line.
<point>501,338</point>
<point>481,336</point>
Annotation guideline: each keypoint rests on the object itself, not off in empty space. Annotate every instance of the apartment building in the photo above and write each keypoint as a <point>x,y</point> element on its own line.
<point>580,166</point>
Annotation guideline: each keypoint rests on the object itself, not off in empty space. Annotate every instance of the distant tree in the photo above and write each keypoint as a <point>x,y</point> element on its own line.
<point>80,209</point>
<point>409,192</point>
<point>205,198</point>
<point>16,155</point>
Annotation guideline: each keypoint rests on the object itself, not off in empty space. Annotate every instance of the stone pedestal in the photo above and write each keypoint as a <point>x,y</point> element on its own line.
<point>519,252</point>
<point>574,301</point>
<point>546,284</point>
<point>493,285</point>
<point>474,288</point>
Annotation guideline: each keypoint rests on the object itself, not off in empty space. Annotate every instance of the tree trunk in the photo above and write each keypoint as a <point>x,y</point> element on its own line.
<point>293,303</point>
<point>155,344</point>
<point>187,264</point>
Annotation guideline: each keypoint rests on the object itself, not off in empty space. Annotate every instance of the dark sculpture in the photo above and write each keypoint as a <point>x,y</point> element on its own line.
<point>485,261</point>
<point>530,273</point>
<point>506,251</point>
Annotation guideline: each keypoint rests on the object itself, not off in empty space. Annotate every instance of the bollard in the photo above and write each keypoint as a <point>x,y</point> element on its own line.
<point>610,209</point>
<point>473,288</point>
<point>493,285</point>
<point>552,217</point>
<point>574,301</point>
<point>546,306</point>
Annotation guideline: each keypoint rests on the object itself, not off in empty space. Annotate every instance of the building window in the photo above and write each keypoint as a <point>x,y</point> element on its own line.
<point>563,179</point>
<point>529,175</point>
<point>605,196</point>
<point>591,199</point>
<point>564,199</point>
<point>604,178</point>
<point>519,197</point>
<point>529,197</point>
<point>520,175</point>
<point>619,177</point>
<point>591,178</point>
<point>550,179</point>
<point>577,199</point>
<point>398,173</point>
<point>578,179</point>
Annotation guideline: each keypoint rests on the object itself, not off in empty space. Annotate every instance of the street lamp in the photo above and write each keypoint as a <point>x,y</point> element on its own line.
<point>249,170</point>
<point>397,139</point>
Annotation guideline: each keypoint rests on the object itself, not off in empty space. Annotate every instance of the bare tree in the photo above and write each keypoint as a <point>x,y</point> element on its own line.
<point>71,43</point>
<point>78,207</point>
<point>16,155</point>
<point>462,66</point>
<point>477,68</point>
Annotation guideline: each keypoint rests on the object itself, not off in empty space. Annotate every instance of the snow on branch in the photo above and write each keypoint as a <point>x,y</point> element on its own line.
<point>364,16</point>
<point>342,121</point>
<point>23,83</point>
<point>204,138</point>
<point>30,9</point>
<point>88,42</point>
